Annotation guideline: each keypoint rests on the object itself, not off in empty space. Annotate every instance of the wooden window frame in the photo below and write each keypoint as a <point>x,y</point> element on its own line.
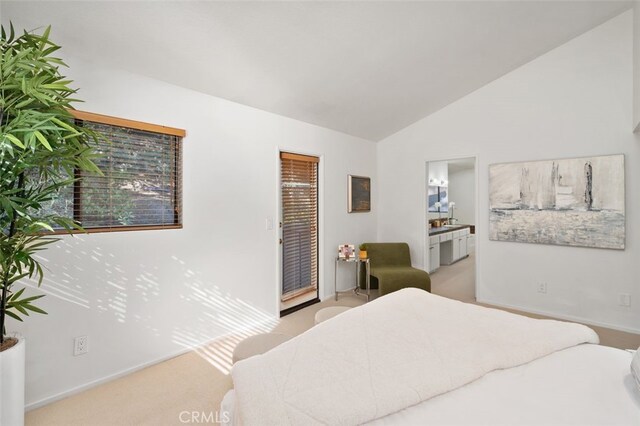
<point>122,122</point>
<point>131,124</point>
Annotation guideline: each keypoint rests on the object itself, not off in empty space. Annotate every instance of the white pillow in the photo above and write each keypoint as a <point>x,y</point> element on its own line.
<point>635,367</point>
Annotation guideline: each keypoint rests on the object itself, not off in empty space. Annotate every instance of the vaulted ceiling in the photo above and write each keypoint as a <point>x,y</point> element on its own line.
<point>367,69</point>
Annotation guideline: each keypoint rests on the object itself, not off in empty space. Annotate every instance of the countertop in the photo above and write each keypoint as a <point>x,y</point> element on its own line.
<point>443,229</point>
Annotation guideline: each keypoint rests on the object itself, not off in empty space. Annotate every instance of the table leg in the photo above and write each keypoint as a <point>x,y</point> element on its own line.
<point>368,281</point>
<point>356,290</point>
<point>335,279</point>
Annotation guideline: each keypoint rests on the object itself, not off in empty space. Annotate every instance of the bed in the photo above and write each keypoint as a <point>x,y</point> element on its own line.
<point>415,358</point>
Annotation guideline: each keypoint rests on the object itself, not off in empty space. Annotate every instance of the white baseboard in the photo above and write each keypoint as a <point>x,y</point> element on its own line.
<point>565,317</point>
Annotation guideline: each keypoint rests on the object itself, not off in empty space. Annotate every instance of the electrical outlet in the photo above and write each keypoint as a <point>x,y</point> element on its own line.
<point>624,299</point>
<point>80,345</point>
<point>542,287</point>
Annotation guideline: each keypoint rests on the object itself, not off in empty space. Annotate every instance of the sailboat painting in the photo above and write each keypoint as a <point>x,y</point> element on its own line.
<point>574,202</point>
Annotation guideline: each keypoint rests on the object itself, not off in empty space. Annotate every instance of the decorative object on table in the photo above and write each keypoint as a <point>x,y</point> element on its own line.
<point>359,197</point>
<point>40,149</point>
<point>438,195</point>
<point>363,251</point>
<point>574,202</point>
<point>346,251</point>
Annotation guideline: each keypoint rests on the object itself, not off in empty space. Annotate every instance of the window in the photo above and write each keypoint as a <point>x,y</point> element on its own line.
<point>142,183</point>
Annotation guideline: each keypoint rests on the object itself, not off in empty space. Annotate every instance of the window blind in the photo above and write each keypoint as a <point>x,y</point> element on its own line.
<point>141,186</point>
<point>299,181</point>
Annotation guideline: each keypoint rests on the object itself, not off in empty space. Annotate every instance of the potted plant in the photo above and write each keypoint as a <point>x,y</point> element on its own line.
<point>363,251</point>
<point>42,150</point>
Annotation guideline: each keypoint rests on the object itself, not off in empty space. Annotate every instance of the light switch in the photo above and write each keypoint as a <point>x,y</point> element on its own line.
<point>269,223</point>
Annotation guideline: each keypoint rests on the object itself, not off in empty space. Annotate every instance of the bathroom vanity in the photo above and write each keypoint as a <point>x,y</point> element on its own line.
<point>449,244</point>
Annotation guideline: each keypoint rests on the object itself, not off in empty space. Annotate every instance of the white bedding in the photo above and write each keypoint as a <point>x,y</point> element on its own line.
<point>583,385</point>
<point>392,353</point>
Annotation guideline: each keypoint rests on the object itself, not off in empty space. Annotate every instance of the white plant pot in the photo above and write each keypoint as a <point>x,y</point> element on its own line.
<point>12,384</point>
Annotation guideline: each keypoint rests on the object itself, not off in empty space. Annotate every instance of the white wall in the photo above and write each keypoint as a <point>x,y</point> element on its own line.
<point>462,191</point>
<point>143,296</point>
<point>636,65</point>
<point>573,101</point>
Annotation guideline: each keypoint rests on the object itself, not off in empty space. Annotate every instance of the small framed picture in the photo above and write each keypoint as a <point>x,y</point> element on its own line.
<point>346,251</point>
<point>359,197</point>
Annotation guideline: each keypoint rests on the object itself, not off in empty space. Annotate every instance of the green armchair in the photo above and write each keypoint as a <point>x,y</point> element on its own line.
<point>391,268</point>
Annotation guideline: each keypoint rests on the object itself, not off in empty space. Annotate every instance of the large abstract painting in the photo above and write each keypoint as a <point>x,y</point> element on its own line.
<point>574,202</point>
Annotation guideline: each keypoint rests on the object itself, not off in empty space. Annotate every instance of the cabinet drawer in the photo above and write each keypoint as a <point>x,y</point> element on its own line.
<point>445,237</point>
<point>434,240</point>
<point>466,231</point>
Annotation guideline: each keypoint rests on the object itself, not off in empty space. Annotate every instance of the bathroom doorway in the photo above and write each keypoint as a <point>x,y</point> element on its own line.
<point>451,227</point>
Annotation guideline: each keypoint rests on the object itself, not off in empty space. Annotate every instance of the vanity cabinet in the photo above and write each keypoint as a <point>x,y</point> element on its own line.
<point>455,248</point>
<point>460,247</point>
<point>434,253</point>
<point>448,246</point>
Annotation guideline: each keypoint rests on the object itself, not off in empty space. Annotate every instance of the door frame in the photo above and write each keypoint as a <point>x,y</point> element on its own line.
<point>425,213</point>
<point>278,217</point>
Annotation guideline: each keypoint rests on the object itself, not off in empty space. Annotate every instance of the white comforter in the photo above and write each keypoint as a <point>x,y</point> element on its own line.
<point>387,355</point>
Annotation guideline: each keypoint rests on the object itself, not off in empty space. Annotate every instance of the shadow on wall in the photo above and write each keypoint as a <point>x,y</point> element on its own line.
<point>187,314</point>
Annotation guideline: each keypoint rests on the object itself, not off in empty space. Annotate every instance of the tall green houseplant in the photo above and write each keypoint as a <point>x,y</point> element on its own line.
<point>42,150</point>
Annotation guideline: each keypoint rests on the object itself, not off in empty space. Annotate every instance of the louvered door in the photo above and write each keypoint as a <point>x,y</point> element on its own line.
<point>299,193</point>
